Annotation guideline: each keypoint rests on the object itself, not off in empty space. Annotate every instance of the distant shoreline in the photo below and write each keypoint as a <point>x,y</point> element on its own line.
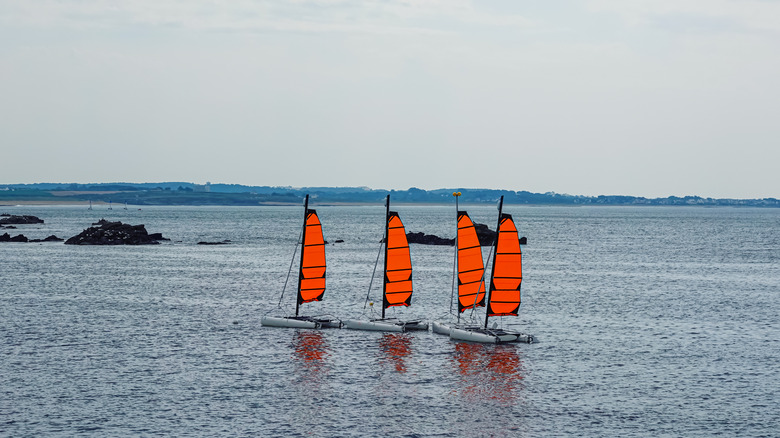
<point>182,193</point>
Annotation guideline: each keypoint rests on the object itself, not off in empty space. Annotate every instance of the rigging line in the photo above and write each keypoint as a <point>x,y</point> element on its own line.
<point>454,271</point>
<point>371,283</point>
<point>455,256</point>
<point>295,251</point>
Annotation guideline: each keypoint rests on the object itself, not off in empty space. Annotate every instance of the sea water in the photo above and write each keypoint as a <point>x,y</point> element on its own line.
<point>651,321</point>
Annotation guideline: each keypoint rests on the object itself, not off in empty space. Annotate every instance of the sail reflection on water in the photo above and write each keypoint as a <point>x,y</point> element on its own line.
<point>310,354</point>
<point>488,372</point>
<point>395,349</point>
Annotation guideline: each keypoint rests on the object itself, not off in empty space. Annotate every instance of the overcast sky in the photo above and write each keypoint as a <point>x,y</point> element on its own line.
<point>643,97</point>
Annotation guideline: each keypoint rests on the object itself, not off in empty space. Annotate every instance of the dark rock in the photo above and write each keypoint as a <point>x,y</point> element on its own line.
<point>485,235</point>
<point>10,227</point>
<point>339,241</point>
<point>51,238</point>
<point>428,239</point>
<point>157,236</point>
<point>114,233</point>
<point>24,219</point>
<point>7,238</point>
<point>224,242</point>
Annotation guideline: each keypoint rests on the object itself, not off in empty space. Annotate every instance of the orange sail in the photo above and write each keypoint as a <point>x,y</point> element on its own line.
<point>507,270</point>
<point>398,264</point>
<point>311,279</point>
<point>471,285</point>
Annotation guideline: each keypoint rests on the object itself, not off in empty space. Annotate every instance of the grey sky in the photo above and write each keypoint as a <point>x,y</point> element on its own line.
<point>643,97</point>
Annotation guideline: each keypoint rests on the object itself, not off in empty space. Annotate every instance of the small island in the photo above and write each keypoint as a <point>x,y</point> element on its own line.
<point>8,219</point>
<point>106,232</point>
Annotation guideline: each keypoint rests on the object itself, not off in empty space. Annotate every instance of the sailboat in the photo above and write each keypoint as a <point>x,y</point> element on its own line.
<point>311,277</point>
<point>469,268</point>
<point>503,295</point>
<point>397,284</point>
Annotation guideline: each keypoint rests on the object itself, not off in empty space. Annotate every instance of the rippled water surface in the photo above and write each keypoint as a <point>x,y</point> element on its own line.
<point>651,321</point>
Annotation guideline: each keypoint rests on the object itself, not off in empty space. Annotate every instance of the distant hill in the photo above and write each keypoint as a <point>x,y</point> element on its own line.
<point>184,193</point>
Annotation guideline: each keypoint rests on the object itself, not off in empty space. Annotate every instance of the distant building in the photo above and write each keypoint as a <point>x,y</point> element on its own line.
<point>202,188</point>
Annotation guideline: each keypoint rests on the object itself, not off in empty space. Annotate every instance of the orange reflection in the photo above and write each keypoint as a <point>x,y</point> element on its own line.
<point>488,371</point>
<point>310,353</point>
<point>396,347</point>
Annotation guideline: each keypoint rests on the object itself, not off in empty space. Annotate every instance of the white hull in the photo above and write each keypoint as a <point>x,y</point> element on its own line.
<point>300,322</point>
<point>441,328</point>
<point>386,325</point>
<point>489,336</point>
<point>378,326</point>
<point>273,321</point>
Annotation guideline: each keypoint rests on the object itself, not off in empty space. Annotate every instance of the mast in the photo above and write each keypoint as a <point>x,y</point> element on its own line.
<point>455,263</point>
<point>387,236</point>
<point>303,241</point>
<point>493,266</point>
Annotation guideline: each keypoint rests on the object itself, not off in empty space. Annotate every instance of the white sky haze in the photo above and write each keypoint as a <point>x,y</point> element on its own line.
<point>644,97</point>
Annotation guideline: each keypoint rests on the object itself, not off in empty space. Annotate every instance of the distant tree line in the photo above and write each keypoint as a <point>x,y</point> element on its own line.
<point>184,193</point>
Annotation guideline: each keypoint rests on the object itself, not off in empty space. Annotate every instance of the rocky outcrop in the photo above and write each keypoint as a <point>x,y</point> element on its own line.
<point>115,233</point>
<point>224,242</point>
<point>18,220</point>
<point>428,239</point>
<point>485,235</point>
<point>23,239</point>
<point>7,238</point>
<point>51,238</point>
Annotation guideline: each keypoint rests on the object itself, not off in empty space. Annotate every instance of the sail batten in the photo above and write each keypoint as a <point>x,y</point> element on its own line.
<point>471,285</point>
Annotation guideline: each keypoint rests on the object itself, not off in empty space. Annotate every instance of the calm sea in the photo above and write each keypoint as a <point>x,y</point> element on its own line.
<point>651,322</point>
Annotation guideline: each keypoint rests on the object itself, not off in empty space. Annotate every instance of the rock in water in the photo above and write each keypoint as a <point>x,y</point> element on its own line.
<point>485,235</point>
<point>115,233</point>
<point>51,238</point>
<point>24,219</point>
<point>428,239</point>
<point>7,238</point>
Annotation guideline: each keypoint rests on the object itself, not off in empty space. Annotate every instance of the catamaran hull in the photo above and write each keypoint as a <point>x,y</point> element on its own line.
<point>489,336</point>
<point>441,328</point>
<point>300,322</point>
<point>273,321</point>
<point>386,325</point>
<point>378,326</point>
